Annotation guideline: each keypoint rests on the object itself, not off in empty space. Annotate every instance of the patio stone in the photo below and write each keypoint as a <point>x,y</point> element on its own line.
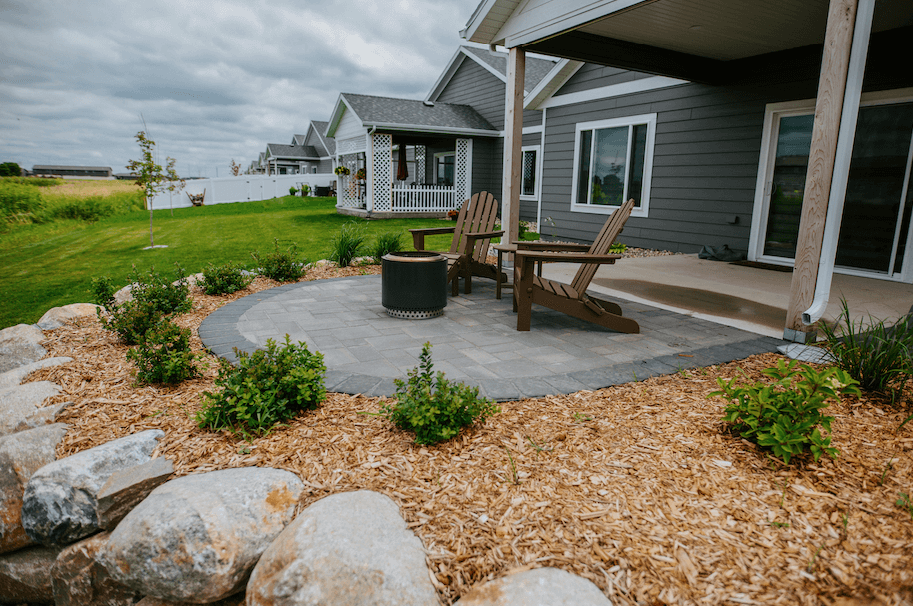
<point>475,341</point>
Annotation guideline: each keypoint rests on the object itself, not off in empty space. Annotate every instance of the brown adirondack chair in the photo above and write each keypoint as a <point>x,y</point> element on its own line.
<point>570,298</point>
<point>473,231</point>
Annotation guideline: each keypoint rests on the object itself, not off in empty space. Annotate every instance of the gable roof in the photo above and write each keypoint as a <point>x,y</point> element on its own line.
<point>298,139</point>
<point>390,113</point>
<point>494,62</point>
<point>296,152</point>
<point>329,143</point>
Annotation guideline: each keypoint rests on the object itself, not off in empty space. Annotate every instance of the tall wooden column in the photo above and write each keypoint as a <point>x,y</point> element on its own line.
<point>513,142</point>
<point>828,109</point>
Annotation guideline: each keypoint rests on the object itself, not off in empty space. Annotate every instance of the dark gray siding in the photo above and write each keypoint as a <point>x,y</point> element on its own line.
<point>591,76</point>
<point>706,153</point>
<point>477,87</point>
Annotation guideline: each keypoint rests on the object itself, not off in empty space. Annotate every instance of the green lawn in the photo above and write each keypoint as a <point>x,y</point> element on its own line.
<point>44,266</point>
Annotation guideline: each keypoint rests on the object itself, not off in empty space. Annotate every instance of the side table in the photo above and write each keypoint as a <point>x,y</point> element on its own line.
<point>508,248</point>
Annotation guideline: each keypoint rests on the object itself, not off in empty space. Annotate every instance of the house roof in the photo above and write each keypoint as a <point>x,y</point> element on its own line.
<point>296,152</point>
<point>494,62</point>
<point>47,167</point>
<point>391,113</point>
<point>298,139</point>
<point>329,143</point>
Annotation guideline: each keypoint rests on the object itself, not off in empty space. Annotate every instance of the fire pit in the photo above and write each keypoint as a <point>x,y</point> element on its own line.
<point>414,284</point>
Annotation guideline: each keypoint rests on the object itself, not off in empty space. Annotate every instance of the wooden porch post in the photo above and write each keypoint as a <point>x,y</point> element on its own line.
<point>838,39</point>
<point>513,140</point>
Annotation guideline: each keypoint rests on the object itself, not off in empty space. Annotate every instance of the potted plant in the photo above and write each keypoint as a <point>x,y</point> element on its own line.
<point>453,214</point>
<point>360,174</point>
<point>341,170</point>
<point>305,190</point>
<point>292,191</point>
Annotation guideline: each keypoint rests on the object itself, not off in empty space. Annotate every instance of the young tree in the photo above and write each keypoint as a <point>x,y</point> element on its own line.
<point>151,178</point>
<point>235,168</point>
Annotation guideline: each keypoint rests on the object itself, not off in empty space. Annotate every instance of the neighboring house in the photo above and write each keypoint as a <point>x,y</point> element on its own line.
<point>704,113</point>
<point>73,172</point>
<point>289,159</point>
<point>324,146</point>
<point>454,138</point>
<point>446,140</point>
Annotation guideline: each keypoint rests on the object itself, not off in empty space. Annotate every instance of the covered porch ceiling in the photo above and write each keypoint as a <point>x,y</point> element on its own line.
<point>710,41</point>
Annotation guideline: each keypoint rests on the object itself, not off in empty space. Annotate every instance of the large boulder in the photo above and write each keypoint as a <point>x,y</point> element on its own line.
<point>77,579</point>
<point>20,402</point>
<point>42,416</point>
<point>12,378</point>
<point>19,345</point>
<point>25,576</point>
<point>347,549</point>
<point>21,455</point>
<point>125,489</point>
<point>550,586</point>
<point>58,316</point>
<point>196,538</point>
<point>60,504</point>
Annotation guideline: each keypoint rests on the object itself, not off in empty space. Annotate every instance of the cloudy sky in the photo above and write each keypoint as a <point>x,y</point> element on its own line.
<point>214,80</point>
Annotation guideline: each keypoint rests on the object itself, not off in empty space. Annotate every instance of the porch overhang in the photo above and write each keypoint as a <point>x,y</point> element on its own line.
<point>419,129</point>
<point>717,43</point>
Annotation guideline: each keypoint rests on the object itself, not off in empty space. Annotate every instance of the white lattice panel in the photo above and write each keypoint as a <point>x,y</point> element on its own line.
<point>419,164</point>
<point>380,178</point>
<point>347,186</point>
<point>350,146</point>
<point>462,179</point>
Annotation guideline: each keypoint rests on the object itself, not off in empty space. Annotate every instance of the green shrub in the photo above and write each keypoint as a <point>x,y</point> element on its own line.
<point>874,354</point>
<point>617,248</point>
<point>785,416</point>
<point>268,387</point>
<point>168,296</point>
<point>10,169</point>
<point>18,203</point>
<point>280,266</point>
<point>224,279</point>
<point>89,209</point>
<point>33,181</point>
<point>292,191</point>
<point>103,290</point>
<point>163,355</point>
<point>432,407</point>
<point>132,320</point>
<point>388,242</point>
<point>347,244</point>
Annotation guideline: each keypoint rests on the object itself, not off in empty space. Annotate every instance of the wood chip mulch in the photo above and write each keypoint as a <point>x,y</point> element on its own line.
<point>637,487</point>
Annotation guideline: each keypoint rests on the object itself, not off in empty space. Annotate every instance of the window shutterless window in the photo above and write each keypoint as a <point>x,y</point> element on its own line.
<point>613,162</point>
<point>529,174</point>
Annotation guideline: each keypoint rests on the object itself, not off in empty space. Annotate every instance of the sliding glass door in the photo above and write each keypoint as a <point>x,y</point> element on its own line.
<point>876,216</point>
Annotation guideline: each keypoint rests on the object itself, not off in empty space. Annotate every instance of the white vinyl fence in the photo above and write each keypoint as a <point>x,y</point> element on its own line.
<point>243,188</point>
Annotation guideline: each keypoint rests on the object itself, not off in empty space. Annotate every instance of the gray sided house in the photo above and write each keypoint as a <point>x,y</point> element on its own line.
<point>290,159</point>
<point>325,148</point>
<point>783,129</point>
<point>477,77</point>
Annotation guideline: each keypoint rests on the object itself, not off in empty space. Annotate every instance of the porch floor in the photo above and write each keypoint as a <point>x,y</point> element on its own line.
<point>750,298</point>
<point>476,340</point>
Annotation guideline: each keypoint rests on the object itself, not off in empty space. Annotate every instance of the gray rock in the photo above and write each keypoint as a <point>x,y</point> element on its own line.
<point>20,402</point>
<point>42,416</point>
<point>125,489</point>
<point>198,537</point>
<point>124,295</point>
<point>21,455</point>
<point>19,345</point>
<point>550,586</point>
<point>58,316</point>
<point>77,579</point>
<point>348,549</point>
<point>14,377</point>
<point>60,501</point>
<point>25,576</point>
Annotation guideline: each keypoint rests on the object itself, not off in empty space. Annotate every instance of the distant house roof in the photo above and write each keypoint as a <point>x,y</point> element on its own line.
<point>45,168</point>
<point>496,63</point>
<point>298,139</point>
<point>320,127</point>
<point>292,152</point>
<point>411,115</point>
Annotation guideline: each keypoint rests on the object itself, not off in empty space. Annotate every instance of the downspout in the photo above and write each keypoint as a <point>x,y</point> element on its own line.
<point>845,138</point>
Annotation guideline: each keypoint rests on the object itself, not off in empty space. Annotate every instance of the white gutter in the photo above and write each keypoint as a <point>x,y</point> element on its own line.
<point>845,139</point>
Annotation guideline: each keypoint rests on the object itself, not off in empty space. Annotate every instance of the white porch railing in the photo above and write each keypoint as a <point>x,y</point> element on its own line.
<point>412,198</point>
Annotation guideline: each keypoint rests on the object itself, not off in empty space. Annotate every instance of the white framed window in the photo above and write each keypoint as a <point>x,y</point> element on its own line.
<point>529,173</point>
<point>444,164</point>
<point>613,162</point>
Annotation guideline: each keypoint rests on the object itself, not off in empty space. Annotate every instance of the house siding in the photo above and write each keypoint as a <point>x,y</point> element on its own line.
<point>706,152</point>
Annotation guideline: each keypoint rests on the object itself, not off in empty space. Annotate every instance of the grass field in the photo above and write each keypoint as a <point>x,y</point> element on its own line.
<point>52,264</point>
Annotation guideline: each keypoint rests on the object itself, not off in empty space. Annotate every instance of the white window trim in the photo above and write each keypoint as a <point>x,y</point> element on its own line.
<point>538,176</point>
<point>759,215</point>
<point>650,121</point>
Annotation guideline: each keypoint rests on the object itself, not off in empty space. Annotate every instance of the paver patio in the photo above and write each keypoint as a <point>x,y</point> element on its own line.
<point>475,341</point>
